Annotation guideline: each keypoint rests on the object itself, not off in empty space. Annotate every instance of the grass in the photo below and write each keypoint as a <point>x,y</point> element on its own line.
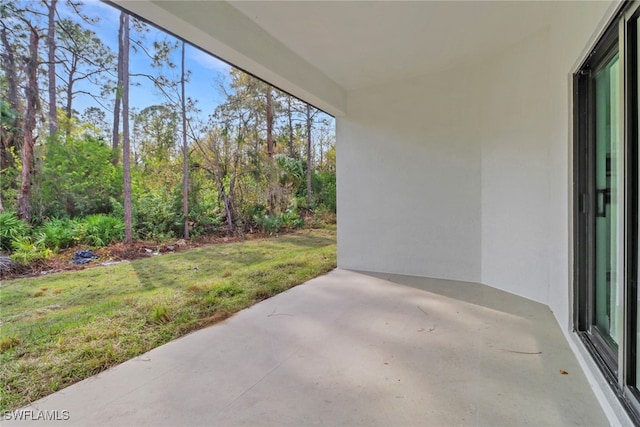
<point>58,329</point>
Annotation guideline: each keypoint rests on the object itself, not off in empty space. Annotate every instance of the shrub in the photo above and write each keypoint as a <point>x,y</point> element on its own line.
<point>11,229</point>
<point>99,230</point>
<point>27,249</point>
<point>326,195</point>
<point>78,177</point>
<point>204,219</point>
<point>155,217</point>
<point>59,233</point>
<point>272,224</point>
<point>158,215</point>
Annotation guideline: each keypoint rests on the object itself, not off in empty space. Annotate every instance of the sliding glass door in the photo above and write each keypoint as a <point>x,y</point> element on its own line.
<point>606,191</point>
<point>598,183</point>
<point>606,215</point>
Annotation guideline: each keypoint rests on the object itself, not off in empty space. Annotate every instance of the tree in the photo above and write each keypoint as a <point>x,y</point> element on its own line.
<point>126,150</point>
<point>82,56</point>
<point>77,177</point>
<point>221,161</point>
<point>309,120</point>
<point>7,133</point>
<point>269,111</point>
<point>155,135</point>
<point>11,112</point>
<point>185,152</point>
<point>51,44</point>
<point>118,97</point>
<point>174,92</point>
<point>292,151</point>
<point>31,95</point>
<point>97,117</point>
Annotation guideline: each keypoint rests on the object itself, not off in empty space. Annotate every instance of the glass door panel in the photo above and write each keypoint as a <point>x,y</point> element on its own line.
<point>607,131</point>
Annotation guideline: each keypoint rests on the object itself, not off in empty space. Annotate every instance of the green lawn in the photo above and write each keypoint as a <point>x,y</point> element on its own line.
<point>58,329</point>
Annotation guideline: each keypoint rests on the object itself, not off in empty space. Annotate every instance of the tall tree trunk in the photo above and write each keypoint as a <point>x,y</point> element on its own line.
<point>126,149</point>
<point>227,197</point>
<point>308,156</point>
<point>292,152</point>
<point>31,95</point>
<point>270,172</point>
<point>185,154</point>
<point>269,122</point>
<point>68,108</point>
<point>228,209</point>
<point>51,42</point>
<point>118,101</point>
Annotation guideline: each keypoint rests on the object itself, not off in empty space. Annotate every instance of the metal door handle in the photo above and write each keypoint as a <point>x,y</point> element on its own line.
<point>603,198</point>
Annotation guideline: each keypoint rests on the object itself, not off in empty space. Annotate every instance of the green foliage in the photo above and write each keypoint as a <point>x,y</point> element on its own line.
<point>56,234</point>
<point>8,117</point>
<point>156,217</point>
<point>156,130</point>
<point>11,229</point>
<point>325,190</point>
<point>204,218</point>
<point>230,171</point>
<point>78,177</point>
<point>9,178</point>
<point>273,224</point>
<point>59,233</point>
<point>27,249</point>
<point>99,230</point>
<point>292,171</point>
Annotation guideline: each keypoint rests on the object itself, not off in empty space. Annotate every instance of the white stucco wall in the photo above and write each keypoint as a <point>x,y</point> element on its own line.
<point>526,152</point>
<point>409,179</point>
<point>465,174</point>
<point>515,137</point>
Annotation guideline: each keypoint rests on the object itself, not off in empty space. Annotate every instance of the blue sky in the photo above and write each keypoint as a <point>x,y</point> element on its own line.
<point>206,70</point>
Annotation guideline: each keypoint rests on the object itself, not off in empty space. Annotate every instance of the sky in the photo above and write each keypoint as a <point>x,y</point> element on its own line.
<point>206,71</point>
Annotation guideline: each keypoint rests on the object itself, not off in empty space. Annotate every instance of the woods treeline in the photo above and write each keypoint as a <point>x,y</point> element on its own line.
<point>260,159</point>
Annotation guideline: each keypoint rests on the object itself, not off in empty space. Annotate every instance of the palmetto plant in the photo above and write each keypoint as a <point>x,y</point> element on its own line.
<point>59,233</point>
<point>100,230</point>
<point>28,249</point>
<point>11,228</point>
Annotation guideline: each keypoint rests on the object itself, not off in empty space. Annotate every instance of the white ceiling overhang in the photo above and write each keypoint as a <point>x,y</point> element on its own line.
<point>319,50</point>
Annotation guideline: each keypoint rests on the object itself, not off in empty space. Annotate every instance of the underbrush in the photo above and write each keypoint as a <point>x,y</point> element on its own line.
<point>28,244</point>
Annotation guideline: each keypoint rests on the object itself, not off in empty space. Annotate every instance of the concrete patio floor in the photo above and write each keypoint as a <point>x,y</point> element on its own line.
<point>352,348</point>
